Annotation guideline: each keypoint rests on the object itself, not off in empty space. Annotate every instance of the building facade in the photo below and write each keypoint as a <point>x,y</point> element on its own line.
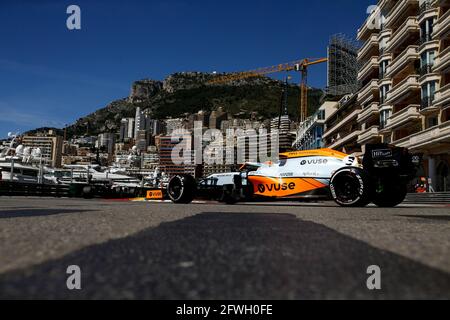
<point>166,146</point>
<point>51,147</point>
<point>107,142</point>
<point>310,133</point>
<point>342,130</point>
<point>127,129</point>
<point>405,73</point>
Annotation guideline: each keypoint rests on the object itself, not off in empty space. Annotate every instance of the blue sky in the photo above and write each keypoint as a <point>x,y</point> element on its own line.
<point>50,76</point>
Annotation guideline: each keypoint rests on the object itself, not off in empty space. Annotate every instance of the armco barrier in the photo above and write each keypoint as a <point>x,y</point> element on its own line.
<point>8,188</point>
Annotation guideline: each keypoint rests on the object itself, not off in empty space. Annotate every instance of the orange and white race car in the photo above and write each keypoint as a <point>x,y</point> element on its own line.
<point>381,177</point>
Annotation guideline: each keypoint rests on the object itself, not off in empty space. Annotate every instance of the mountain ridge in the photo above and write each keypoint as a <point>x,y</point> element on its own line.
<point>181,94</point>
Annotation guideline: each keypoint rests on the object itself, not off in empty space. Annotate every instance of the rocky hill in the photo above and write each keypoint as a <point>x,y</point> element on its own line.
<point>186,93</point>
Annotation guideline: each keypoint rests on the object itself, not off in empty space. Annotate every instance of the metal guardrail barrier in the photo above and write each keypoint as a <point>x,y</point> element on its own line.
<point>429,198</point>
<point>8,188</point>
<point>74,190</point>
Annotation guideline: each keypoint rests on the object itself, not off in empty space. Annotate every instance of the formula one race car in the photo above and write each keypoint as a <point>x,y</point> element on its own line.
<point>381,177</point>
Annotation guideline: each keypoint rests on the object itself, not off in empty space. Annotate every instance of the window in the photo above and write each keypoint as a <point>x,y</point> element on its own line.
<point>384,116</point>
<point>30,173</point>
<point>427,57</point>
<point>321,115</point>
<point>383,93</point>
<point>319,132</point>
<point>428,92</point>
<point>383,67</point>
<point>427,62</point>
<point>383,44</point>
<point>426,30</point>
<point>432,122</point>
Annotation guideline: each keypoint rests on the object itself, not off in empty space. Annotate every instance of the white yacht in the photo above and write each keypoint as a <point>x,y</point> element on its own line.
<point>84,173</point>
<point>21,164</point>
<point>25,165</point>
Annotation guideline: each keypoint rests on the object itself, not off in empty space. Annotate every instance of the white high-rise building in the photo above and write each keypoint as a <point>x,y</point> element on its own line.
<point>139,122</point>
<point>127,129</point>
<point>131,128</point>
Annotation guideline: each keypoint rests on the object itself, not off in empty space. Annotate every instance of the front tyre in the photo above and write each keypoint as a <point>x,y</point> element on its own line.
<point>181,189</point>
<point>350,187</point>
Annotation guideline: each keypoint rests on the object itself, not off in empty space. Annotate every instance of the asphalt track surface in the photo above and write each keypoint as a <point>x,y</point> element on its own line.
<point>141,250</point>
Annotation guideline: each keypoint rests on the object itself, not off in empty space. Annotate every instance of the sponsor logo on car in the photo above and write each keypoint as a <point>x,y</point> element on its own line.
<point>314,161</point>
<point>262,188</point>
<point>287,174</point>
<point>155,195</point>
<point>377,154</point>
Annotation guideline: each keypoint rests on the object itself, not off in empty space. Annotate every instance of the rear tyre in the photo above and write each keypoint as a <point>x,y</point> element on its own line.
<point>350,187</point>
<point>228,196</point>
<point>389,194</point>
<point>88,192</point>
<point>181,189</point>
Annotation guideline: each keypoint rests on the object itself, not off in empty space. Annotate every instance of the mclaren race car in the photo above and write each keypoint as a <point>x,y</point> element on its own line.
<point>380,177</point>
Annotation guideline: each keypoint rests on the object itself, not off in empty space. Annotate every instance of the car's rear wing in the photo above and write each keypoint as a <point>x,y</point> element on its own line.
<point>382,159</point>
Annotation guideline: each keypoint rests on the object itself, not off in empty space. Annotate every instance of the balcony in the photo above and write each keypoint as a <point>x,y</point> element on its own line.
<point>349,118</point>
<point>398,11</point>
<point>427,105</point>
<point>370,47</point>
<point>409,55</point>
<point>403,117</point>
<point>385,33</point>
<point>442,26</point>
<point>368,112</point>
<point>403,89</point>
<point>422,140</point>
<point>428,10</point>
<point>368,69</point>
<point>425,39</point>
<point>442,61</point>
<point>426,6</point>
<point>426,69</point>
<point>342,140</point>
<point>369,135</point>
<point>367,93</point>
<point>410,27</point>
<point>370,26</point>
<point>383,38</point>
<point>442,97</point>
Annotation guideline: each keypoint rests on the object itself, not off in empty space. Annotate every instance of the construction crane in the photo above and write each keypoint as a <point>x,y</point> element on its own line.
<point>298,66</point>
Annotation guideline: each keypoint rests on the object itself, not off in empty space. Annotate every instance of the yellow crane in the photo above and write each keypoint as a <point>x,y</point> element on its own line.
<point>299,66</point>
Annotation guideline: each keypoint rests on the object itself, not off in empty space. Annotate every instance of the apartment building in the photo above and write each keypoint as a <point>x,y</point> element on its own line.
<point>51,147</point>
<point>405,77</point>
<point>309,135</point>
<point>166,146</point>
<point>107,141</point>
<point>342,129</point>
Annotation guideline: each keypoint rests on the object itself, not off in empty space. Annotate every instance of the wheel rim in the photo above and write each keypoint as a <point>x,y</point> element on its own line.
<point>346,188</point>
<point>175,188</point>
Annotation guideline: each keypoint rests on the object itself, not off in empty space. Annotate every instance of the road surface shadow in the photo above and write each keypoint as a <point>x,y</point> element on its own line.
<point>230,256</point>
<point>28,213</point>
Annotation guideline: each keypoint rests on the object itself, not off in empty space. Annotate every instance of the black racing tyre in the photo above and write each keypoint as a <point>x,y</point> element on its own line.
<point>181,189</point>
<point>88,192</point>
<point>389,194</point>
<point>350,187</point>
<point>249,191</point>
<point>227,195</point>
